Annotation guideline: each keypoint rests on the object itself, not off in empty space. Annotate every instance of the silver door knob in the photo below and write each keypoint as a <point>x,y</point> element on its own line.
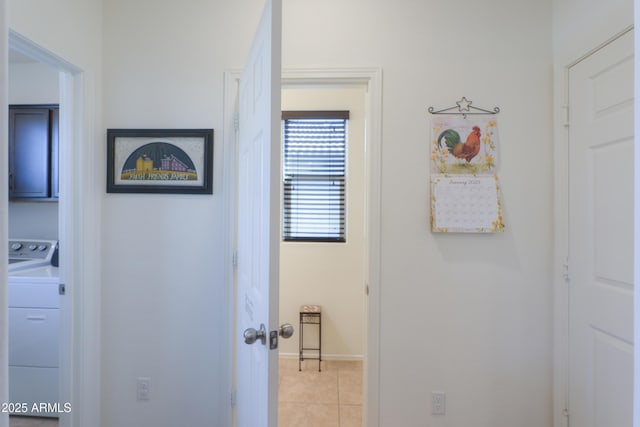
<point>286,330</point>
<point>251,335</point>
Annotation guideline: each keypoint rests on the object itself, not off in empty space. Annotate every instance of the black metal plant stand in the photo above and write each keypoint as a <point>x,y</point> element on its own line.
<point>310,315</point>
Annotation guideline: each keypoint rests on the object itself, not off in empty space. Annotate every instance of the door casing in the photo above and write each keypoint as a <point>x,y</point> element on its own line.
<point>372,78</point>
<point>79,234</point>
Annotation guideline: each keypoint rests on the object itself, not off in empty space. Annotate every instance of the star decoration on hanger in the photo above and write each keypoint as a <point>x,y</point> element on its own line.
<point>463,104</point>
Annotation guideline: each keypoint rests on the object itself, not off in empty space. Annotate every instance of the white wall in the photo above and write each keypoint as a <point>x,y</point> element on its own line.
<point>465,314</point>
<point>330,274</point>
<point>30,220</point>
<point>71,29</point>
<point>165,299</point>
<point>33,83</point>
<point>579,26</point>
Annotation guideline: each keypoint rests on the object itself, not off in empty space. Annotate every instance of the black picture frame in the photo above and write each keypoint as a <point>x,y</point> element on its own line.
<point>171,161</point>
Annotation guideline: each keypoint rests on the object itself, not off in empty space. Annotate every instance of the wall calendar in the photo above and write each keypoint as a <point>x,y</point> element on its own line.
<point>465,192</point>
<point>465,203</point>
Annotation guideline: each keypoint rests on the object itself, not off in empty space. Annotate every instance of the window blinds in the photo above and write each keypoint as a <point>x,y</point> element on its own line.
<point>314,163</point>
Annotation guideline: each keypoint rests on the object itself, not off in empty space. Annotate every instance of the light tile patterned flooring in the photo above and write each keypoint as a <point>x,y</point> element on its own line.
<point>32,422</point>
<point>330,398</point>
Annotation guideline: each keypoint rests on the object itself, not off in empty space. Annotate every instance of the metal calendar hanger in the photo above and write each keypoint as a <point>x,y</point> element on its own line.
<point>464,108</point>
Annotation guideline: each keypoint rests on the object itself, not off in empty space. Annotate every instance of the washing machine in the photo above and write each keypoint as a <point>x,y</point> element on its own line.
<point>34,328</point>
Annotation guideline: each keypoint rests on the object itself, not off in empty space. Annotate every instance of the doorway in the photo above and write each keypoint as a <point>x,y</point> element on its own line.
<point>330,274</point>
<point>78,234</point>
<point>371,79</point>
<point>34,321</point>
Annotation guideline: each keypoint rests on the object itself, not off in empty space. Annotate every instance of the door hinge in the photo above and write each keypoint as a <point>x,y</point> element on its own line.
<point>236,121</point>
<point>565,270</point>
<point>62,289</point>
<point>234,259</point>
<point>565,108</point>
<point>565,413</point>
<point>232,398</point>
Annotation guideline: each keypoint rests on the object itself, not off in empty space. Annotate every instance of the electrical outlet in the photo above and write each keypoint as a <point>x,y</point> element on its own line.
<point>438,403</point>
<point>142,388</point>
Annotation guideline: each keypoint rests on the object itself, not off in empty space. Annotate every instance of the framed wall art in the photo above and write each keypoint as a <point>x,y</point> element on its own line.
<point>177,161</point>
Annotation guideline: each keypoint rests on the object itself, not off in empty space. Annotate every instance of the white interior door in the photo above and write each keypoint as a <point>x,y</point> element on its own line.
<point>601,237</point>
<point>259,224</point>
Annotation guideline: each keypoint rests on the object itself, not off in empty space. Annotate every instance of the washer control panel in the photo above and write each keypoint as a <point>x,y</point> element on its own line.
<point>28,250</point>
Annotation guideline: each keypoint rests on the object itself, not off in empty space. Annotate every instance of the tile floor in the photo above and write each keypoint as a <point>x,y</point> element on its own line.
<point>331,398</point>
<point>32,422</point>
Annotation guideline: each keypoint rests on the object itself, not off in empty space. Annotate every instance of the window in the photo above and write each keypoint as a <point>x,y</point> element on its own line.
<point>314,163</point>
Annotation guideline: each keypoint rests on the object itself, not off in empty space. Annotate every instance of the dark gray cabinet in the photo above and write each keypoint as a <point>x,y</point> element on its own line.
<point>33,152</point>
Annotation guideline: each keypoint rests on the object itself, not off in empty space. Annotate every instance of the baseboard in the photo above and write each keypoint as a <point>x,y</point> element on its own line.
<point>337,357</point>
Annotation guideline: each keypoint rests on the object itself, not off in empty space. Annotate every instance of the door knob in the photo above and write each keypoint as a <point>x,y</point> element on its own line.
<point>251,335</point>
<point>286,330</point>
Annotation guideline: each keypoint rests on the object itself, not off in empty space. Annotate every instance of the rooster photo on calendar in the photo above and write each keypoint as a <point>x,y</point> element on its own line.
<point>464,145</point>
